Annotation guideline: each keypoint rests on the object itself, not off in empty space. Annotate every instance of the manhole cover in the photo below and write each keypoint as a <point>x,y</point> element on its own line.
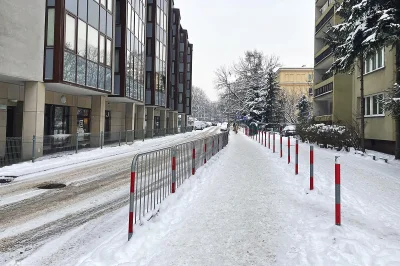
<point>52,186</point>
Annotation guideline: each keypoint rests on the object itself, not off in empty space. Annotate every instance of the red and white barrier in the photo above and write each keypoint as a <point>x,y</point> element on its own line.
<point>173,185</point>
<point>280,144</point>
<point>265,138</point>
<point>273,141</point>
<point>337,192</point>
<point>194,158</point>
<point>288,153</point>
<point>269,140</point>
<point>296,167</point>
<point>205,152</point>
<point>311,167</point>
<point>131,205</point>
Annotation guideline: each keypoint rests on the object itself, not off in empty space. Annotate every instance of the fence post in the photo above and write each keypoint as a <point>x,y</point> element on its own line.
<point>280,141</point>
<point>265,138</point>
<point>205,152</point>
<point>218,143</point>
<point>337,191</point>
<point>131,201</point>
<point>213,146</point>
<point>288,146</point>
<point>120,136</point>
<point>101,139</point>
<point>311,167</point>
<point>33,148</point>
<point>76,143</point>
<point>296,167</point>
<point>273,142</point>
<point>269,140</point>
<point>173,188</point>
<point>126,137</point>
<point>194,158</point>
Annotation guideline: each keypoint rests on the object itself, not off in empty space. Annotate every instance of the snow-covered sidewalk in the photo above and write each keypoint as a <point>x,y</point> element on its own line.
<point>246,207</point>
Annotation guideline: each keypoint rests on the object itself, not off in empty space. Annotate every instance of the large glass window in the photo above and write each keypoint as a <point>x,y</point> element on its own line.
<point>102,77</point>
<point>110,5</point>
<point>92,74</point>
<point>103,20</point>
<point>93,17</point>
<point>49,64</point>
<point>109,46</point>
<point>83,9</point>
<point>375,62</point>
<point>102,49</point>
<point>71,6</point>
<point>93,44</point>
<point>109,25</point>
<point>70,28</point>
<point>50,27</point>
<point>81,71</point>
<point>82,38</point>
<point>108,80</point>
<point>69,67</point>
<point>374,105</point>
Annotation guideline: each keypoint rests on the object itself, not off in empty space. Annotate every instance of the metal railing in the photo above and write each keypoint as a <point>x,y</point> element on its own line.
<point>158,173</point>
<point>10,151</point>
<point>15,150</point>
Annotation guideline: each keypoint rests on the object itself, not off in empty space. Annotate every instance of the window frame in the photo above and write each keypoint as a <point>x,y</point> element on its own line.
<point>371,64</point>
<point>369,102</point>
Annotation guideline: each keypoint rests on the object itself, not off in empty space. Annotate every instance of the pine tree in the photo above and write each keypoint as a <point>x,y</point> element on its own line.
<point>351,43</point>
<point>304,108</point>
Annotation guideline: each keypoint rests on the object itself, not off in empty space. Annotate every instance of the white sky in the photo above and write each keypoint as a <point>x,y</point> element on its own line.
<point>222,30</point>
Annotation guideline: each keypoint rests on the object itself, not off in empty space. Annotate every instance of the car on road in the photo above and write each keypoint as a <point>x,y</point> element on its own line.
<point>199,125</point>
<point>289,130</point>
<point>224,127</point>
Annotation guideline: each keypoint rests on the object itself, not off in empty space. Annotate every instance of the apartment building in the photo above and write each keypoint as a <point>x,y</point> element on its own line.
<point>332,93</point>
<point>90,67</point>
<point>380,75</point>
<point>296,81</point>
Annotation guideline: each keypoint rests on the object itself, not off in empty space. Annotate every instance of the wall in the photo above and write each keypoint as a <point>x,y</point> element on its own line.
<point>296,80</point>
<point>377,128</point>
<point>22,25</point>
<point>342,98</point>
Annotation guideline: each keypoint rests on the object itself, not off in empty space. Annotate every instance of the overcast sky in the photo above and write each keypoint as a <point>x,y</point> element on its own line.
<point>222,30</point>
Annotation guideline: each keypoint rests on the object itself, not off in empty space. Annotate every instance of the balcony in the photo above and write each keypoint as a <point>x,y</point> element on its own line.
<point>325,17</point>
<point>323,87</point>
<point>322,54</point>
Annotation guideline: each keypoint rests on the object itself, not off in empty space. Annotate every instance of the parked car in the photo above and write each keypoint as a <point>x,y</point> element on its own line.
<point>214,124</point>
<point>208,124</point>
<point>224,127</point>
<point>199,125</point>
<point>289,130</point>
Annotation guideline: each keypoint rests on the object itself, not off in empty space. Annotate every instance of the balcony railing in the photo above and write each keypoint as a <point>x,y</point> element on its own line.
<point>324,89</point>
<point>323,55</point>
<point>325,19</point>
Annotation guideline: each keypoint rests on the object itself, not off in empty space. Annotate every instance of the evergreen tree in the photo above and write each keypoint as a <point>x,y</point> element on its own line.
<point>304,108</point>
<point>350,42</point>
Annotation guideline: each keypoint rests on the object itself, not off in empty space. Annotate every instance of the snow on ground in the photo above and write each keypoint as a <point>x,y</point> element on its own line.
<point>246,207</point>
<point>70,159</point>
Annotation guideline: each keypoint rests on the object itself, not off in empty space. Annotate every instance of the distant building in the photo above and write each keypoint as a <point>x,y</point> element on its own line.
<point>296,81</point>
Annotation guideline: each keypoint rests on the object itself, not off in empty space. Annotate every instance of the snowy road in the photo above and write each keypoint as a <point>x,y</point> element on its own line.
<point>244,207</point>
<point>29,217</point>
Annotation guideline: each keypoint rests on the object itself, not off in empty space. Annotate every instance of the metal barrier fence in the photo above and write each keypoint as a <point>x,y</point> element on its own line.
<point>158,173</point>
<point>15,150</point>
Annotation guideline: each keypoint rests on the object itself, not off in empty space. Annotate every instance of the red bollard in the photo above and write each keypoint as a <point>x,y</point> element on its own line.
<point>288,145</point>
<point>311,167</point>
<point>296,167</point>
<point>273,142</point>
<point>269,140</point>
<point>212,148</point>
<point>173,185</point>
<point>131,205</point>
<point>194,159</point>
<point>337,192</point>
<point>265,139</point>
<point>280,141</point>
<point>205,152</point>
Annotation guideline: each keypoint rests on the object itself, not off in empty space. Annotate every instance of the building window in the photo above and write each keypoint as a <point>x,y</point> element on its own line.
<point>93,44</point>
<point>83,10</point>
<point>70,27</point>
<point>309,77</point>
<point>108,54</point>
<point>110,5</point>
<point>69,67</point>
<point>102,49</point>
<point>180,77</point>
<point>50,27</point>
<point>374,105</point>
<point>93,14</point>
<point>375,62</point>
<point>71,5</point>
<point>149,13</point>
<point>180,100</point>
<point>103,20</point>
<point>181,57</point>
<point>56,120</point>
<point>310,91</point>
<point>83,120</point>
<point>82,29</point>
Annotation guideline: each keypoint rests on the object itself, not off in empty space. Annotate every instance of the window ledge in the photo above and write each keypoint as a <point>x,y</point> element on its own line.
<point>378,69</point>
<point>372,116</point>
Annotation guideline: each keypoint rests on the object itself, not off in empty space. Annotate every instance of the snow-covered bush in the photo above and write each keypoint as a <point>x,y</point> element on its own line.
<point>335,136</point>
